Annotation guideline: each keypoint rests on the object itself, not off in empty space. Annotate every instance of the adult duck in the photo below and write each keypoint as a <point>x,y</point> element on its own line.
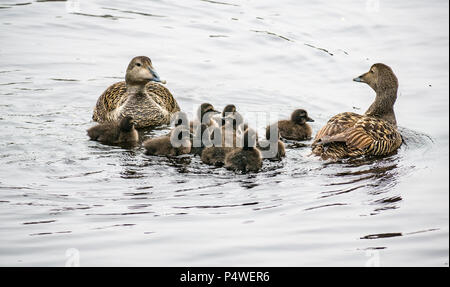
<point>373,133</point>
<point>140,96</point>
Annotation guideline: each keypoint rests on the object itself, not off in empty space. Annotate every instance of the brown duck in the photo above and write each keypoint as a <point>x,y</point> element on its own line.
<point>374,133</point>
<point>229,134</point>
<point>245,159</point>
<point>122,132</point>
<point>177,143</point>
<point>296,128</point>
<point>140,96</point>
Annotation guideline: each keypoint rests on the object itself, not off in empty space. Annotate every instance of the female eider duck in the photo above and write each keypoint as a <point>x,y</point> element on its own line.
<point>296,128</point>
<point>150,104</point>
<point>374,133</point>
<point>122,132</point>
<point>245,159</point>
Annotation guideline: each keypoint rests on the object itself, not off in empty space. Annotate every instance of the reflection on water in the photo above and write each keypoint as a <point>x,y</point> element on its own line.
<point>117,206</point>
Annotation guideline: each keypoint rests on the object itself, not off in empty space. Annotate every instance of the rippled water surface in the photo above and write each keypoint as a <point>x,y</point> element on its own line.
<point>61,194</point>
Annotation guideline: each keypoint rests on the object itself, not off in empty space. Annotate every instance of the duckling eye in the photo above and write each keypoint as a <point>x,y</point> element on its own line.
<point>138,64</point>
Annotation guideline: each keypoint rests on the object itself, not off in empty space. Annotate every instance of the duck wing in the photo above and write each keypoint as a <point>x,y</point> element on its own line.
<point>374,136</point>
<point>111,98</point>
<point>163,97</point>
<point>357,135</point>
<point>334,128</point>
<point>115,95</point>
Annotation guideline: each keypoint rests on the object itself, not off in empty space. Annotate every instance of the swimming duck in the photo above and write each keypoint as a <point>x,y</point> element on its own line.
<point>140,96</point>
<point>374,133</point>
<point>176,143</point>
<point>296,128</point>
<point>200,138</point>
<point>205,115</point>
<point>122,132</point>
<point>277,154</point>
<point>245,159</point>
<point>215,155</point>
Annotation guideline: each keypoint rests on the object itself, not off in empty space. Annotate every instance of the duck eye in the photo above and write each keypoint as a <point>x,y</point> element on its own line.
<point>138,64</point>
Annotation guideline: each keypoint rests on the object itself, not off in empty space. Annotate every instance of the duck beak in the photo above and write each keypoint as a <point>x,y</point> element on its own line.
<point>360,79</point>
<point>155,75</point>
<point>308,119</point>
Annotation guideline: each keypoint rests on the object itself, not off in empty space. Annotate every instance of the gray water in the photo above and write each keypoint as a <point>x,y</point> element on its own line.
<point>65,200</point>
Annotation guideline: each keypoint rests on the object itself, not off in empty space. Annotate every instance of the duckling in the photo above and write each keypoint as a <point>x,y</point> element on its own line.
<point>177,143</point>
<point>215,155</point>
<point>296,128</point>
<point>200,138</point>
<point>374,133</point>
<point>276,154</point>
<point>122,132</point>
<point>245,159</point>
<point>140,96</point>
<point>205,115</point>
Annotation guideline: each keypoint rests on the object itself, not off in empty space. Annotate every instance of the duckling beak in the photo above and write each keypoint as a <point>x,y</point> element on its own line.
<point>308,119</point>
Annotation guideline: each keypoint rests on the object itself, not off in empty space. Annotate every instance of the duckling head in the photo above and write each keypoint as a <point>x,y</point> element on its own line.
<point>126,124</point>
<point>180,119</point>
<point>140,71</point>
<point>235,120</point>
<point>229,109</point>
<point>300,117</point>
<point>380,77</point>
<point>208,110</point>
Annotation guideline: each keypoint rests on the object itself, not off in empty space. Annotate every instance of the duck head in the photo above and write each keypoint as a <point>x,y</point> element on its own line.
<point>229,109</point>
<point>380,77</point>
<point>140,71</point>
<point>300,117</point>
<point>126,124</point>
<point>206,109</point>
<point>383,81</point>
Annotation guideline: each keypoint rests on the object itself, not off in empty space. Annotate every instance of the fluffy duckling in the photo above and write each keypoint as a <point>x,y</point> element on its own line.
<point>176,143</point>
<point>215,155</point>
<point>296,128</point>
<point>276,154</point>
<point>122,132</point>
<point>205,115</point>
<point>140,96</point>
<point>245,159</point>
<point>200,138</point>
<point>374,133</point>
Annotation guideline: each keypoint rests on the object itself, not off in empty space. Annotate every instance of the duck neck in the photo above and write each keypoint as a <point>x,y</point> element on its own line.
<point>135,89</point>
<point>383,106</point>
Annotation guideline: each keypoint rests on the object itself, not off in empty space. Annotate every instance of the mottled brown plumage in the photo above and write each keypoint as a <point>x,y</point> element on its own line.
<point>122,132</point>
<point>374,133</point>
<point>296,128</point>
<point>149,103</point>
